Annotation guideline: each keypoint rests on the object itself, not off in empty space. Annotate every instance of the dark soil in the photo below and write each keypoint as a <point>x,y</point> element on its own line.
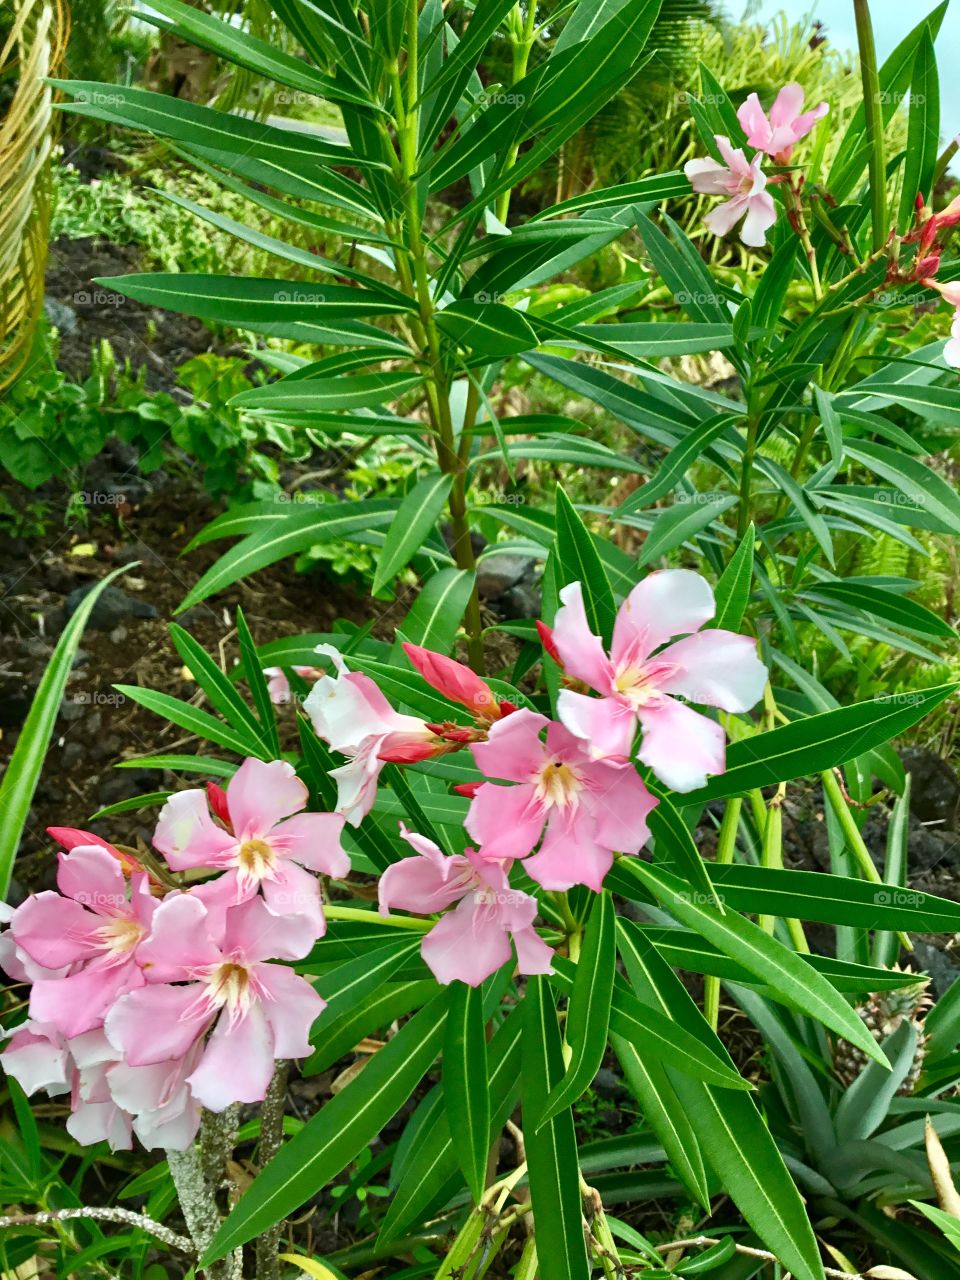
<point>97,727</point>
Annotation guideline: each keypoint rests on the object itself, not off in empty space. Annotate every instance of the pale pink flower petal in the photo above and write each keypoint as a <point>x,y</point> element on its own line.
<point>715,668</point>
<point>761,215</point>
<point>513,750</point>
<point>606,726</point>
<point>505,821</point>
<point>258,934</point>
<point>93,877</point>
<point>466,945</point>
<point>570,854</point>
<point>179,943</point>
<point>188,837</point>
<point>424,884</point>
<point>622,805</point>
<point>92,1122</point>
<point>292,891</point>
<point>681,746</point>
<point>156,1023</point>
<point>533,954</point>
<point>581,651</point>
<point>261,794</point>
<point>37,1058</point>
<point>668,603</point>
<point>80,1001</point>
<point>237,1063</point>
<point>707,177</point>
<point>291,1008</point>
<point>55,931</point>
<point>313,840</point>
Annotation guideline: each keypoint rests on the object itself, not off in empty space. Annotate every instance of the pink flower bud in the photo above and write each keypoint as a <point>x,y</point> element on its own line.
<point>454,681</point>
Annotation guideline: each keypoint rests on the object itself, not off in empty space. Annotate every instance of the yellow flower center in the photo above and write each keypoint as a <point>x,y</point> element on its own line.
<point>229,985</point>
<point>635,685</point>
<point>255,859</point>
<point>120,935</point>
<point>558,784</point>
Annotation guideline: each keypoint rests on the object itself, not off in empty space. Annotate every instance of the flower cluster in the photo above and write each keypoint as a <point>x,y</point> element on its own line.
<point>158,989</point>
<point>561,797</point>
<point>744,181</point>
<point>150,1000</point>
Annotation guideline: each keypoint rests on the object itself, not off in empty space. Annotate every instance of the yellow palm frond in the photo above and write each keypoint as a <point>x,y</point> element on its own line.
<point>34,46</point>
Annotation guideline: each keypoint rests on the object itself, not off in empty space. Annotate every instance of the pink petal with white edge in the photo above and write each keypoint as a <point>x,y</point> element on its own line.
<point>291,1008</point>
<point>581,651</point>
<point>93,1122</point>
<point>92,877</point>
<point>707,177</point>
<point>55,931</point>
<point>467,945</point>
<point>37,1058</point>
<point>681,746</point>
<point>716,669</point>
<point>669,603</point>
<point>357,782</point>
<point>721,220</point>
<point>761,215</point>
<point>262,793</point>
<point>188,837</point>
<point>157,1023</point>
<point>513,749</point>
<point>734,159</point>
<point>257,934</point>
<point>754,122</point>
<point>292,891</point>
<point>237,1063</point>
<point>79,1002</point>
<point>606,726</point>
<point>505,822</point>
<point>179,943</point>
<point>313,840</point>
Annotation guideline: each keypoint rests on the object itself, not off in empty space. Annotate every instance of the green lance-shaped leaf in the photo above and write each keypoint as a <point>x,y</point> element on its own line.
<point>676,844</point>
<point>337,1133</point>
<point>435,615</point>
<point>195,721</point>
<point>253,670</point>
<point>588,1014</point>
<point>23,771</point>
<point>818,742</point>
<point>551,1147</point>
<point>782,970</point>
<point>465,1085</point>
<point>678,461</point>
<point>222,695</point>
<point>923,131</point>
<point>733,588</point>
<point>580,562</point>
<point>416,516</point>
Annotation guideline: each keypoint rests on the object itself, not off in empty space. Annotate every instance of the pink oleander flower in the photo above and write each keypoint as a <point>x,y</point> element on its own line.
<point>787,123</point>
<point>641,680</point>
<point>590,808</point>
<point>746,185</point>
<point>351,714</point>
<point>472,941</point>
<point>264,850</point>
<point>107,1097</point>
<point>457,682</point>
<point>93,927</point>
<point>950,292</point>
<point>200,979</point>
<point>278,686</point>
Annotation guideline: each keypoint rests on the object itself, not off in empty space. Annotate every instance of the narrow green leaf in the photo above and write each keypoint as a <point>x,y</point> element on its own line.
<point>337,1133</point>
<point>551,1147</point>
<point>588,1013</point>
<point>435,615</point>
<point>580,562</point>
<point>465,1085</point>
<point>223,696</point>
<point>761,954</point>
<point>415,519</point>
<point>257,684</point>
<point>733,588</point>
<point>26,763</point>
<point>923,131</point>
<point>677,462</point>
<point>195,721</point>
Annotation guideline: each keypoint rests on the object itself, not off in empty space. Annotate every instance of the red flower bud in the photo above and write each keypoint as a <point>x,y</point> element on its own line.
<point>454,681</point>
<point>217,798</point>
<point>75,838</point>
<point>549,645</point>
<point>468,789</point>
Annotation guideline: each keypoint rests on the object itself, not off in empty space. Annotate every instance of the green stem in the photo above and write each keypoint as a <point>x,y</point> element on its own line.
<point>873,116</point>
<point>726,847</point>
<point>334,912</point>
<point>520,47</point>
<point>746,478</point>
<point>853,837</point>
